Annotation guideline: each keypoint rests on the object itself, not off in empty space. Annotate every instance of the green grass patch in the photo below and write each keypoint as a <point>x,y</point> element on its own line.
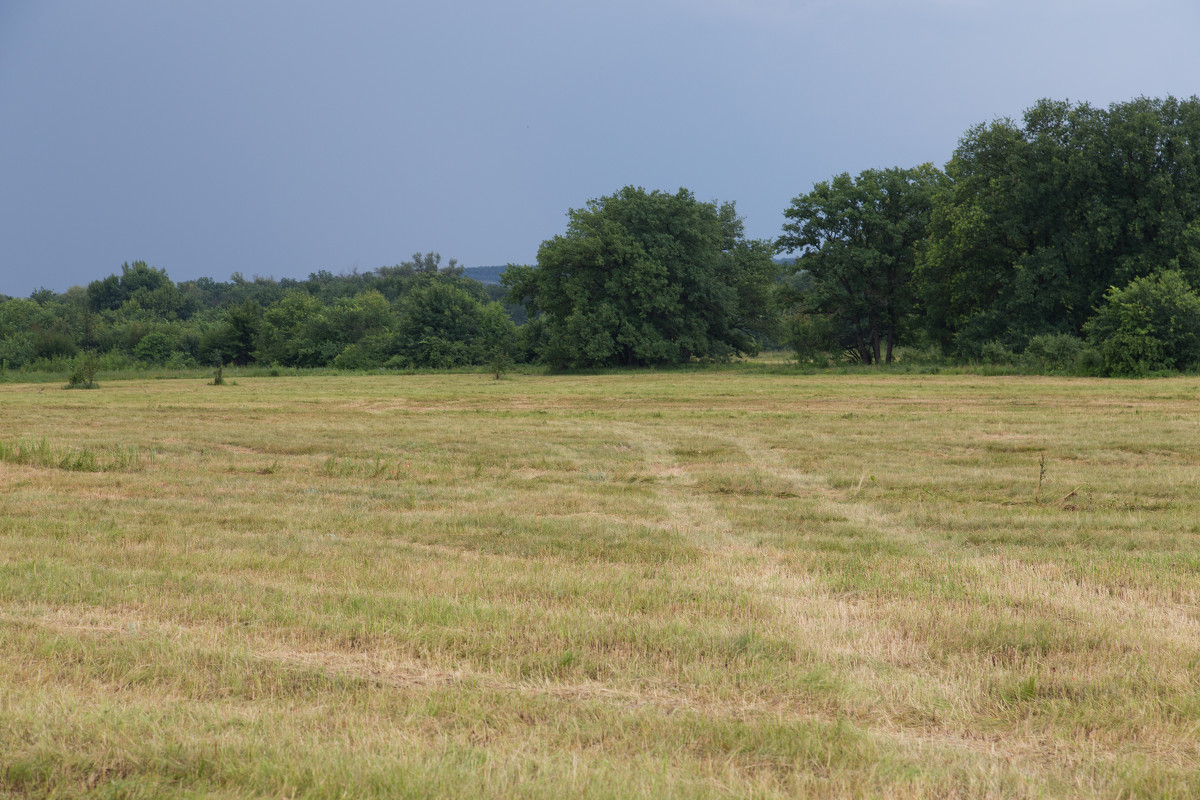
<point>736,581</point>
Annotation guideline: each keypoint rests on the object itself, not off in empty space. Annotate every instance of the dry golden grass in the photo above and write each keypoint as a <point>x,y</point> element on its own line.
<point>692,584</point>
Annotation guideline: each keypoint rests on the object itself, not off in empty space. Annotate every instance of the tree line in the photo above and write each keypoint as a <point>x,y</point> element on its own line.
<point>1067,240</point>
<point>415,314</point>
<point>1070,237</point>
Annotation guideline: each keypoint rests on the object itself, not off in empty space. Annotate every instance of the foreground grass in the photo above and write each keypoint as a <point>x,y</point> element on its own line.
<point>683,584</point>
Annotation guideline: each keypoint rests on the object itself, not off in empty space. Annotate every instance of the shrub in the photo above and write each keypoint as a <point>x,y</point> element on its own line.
<point>154,348</point>
<point>924,356</point>
<point>439,353</point>
<point>1152,324</point>
<point>51,343</point>
<point>1052,352</point>
<point>83,374</point>
<point>369,353</point>
<point>1090,362</point>
<point>180,360</point>
<point>17,350</point>
<point>115,360</point>
<point>996,353</point>
<point>56,365</point>
<point>811,337</point>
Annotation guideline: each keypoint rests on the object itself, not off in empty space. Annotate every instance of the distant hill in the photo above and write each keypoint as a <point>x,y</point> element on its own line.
<point>484,274</point>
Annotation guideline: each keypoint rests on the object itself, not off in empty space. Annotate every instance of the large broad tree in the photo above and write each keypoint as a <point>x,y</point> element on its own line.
<point>648,278</point>
<point>1041,218</point>
<point>857,239</point>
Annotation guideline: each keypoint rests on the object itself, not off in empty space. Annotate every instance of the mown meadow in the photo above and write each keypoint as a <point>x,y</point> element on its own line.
<point>726,582</point>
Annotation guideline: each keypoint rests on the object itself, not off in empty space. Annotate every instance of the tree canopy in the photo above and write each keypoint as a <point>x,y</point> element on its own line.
<point>858,240</point>
<point>648,278</point>
<point>1039,220</point>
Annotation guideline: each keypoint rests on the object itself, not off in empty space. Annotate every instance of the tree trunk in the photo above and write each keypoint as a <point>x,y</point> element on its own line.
<point>860,344</point>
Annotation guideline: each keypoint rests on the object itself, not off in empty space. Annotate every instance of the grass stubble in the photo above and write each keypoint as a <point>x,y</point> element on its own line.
<point>694,584</point>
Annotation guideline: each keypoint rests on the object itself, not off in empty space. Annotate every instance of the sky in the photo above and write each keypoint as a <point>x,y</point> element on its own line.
<point>275,139</point>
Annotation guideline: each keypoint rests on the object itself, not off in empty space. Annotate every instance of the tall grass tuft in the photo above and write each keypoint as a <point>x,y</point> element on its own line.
<point>75,459</point>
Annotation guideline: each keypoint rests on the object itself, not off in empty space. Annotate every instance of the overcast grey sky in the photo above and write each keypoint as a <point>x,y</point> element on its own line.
<point>279,138</point>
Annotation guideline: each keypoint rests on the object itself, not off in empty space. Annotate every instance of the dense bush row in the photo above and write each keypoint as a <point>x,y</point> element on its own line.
<point>1150,326</point>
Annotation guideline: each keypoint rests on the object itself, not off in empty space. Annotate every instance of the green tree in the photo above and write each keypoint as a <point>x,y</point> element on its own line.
<point>348,320</point>
<point>242,323</point>
<point>648,278</point>
<point>286,334</point>
<point>19,316</point>
<point>858,241</point>
<point>151,288</point>
<point>234,338</point>
<point>441,324</point>
<point>105,294</point>
<point>1041,218</point>
<point>362,327</point>
<point>396,281</point>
